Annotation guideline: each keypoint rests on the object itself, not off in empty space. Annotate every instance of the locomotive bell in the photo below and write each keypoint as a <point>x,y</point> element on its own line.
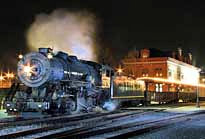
<point>36,68</point>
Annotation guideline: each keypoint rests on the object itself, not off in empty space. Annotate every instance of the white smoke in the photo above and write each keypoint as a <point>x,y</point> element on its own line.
<point>110,105</point>
<point>72,32</point>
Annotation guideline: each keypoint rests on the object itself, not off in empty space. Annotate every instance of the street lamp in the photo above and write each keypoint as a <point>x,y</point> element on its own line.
<point>197,91</point>
<point>20,56</point>
<point>119,70</point>
<point>1,78</point>
<point>197,97</point>
<point>9,75</point>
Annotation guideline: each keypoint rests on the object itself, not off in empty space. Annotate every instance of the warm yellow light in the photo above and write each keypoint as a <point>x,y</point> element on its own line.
<point>1,78</point>
<point>119,70</point>
<point>10,75</point>
<point>20,56</point>
<point>171,81</point>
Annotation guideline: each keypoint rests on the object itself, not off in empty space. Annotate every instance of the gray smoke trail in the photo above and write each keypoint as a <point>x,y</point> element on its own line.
<point>72,32</point>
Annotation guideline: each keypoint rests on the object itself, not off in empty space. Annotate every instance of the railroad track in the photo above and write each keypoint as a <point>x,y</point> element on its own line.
<point>130,129</point>
<point>50,124</point>
<point>110,126</point>
<point>83,125</point>
<point>65,118</point>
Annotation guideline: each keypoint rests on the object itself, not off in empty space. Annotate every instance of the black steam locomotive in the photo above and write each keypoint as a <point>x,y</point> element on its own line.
<point>59,83</point>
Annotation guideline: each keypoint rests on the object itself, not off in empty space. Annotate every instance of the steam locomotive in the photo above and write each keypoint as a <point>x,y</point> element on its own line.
<point>58,83</point>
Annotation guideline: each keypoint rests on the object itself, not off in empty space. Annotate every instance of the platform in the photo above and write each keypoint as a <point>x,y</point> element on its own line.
<point>3,114</point>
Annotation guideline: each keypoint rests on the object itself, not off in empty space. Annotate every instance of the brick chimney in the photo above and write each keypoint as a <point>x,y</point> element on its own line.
<point>190,58</point>
<point>133,54</point>
<point>145,53</point>
<point>174,54</point>
<point>179,54</point>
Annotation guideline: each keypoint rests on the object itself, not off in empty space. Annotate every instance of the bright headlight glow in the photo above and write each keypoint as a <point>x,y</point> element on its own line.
<point>27,69</point>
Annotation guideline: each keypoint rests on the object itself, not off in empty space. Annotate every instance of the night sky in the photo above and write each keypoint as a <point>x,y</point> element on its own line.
<point>123,25</point>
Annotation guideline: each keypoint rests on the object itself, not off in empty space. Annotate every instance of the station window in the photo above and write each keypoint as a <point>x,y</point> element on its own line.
<point>170,73</point>
<point>158,72</point>
<point>145,72</point>
<point>158,87</point>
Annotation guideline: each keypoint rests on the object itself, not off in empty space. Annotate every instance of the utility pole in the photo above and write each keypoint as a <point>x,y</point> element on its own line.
<point>146,93</point>
<point>197,92</point>
<point>197,96</point>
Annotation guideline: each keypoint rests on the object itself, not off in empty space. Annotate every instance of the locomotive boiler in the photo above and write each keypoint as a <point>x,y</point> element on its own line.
<point>51,82</point>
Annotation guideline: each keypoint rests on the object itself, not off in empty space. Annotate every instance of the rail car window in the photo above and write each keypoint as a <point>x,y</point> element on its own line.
<point>170,73</point>
<point>128,85</point>
<point>125,87</point>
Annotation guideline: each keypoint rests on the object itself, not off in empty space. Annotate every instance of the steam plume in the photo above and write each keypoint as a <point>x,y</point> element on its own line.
<point>110,105</point>
<point>72,32</point>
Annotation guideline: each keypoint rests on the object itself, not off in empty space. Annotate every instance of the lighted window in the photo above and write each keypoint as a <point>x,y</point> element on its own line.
<point>158,71</point>
<point>160,87</point>
<point>156,88</point>
<point>145,72</point>
<point>170,74</point>
<point>145,56</point>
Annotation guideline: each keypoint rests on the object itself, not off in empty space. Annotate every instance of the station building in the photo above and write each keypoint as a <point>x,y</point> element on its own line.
<point>170,71</point>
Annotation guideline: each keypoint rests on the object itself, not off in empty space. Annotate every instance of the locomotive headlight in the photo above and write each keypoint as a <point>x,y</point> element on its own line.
<point>27,69</point>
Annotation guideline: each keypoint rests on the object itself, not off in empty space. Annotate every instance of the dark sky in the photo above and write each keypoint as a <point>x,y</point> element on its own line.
<point>124,25</point>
